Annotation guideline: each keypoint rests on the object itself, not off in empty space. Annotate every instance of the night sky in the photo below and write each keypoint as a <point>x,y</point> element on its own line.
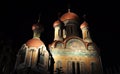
<point>18,16</point>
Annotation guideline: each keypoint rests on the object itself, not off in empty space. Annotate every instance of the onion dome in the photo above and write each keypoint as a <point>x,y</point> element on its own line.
<point>34,42</point>
<point>84,24</point>
<point>69,16</point>
<point>56,23</point>
<point>35,26</point>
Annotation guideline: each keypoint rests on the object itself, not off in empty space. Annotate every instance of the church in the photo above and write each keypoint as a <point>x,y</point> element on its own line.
<point>67,54</point>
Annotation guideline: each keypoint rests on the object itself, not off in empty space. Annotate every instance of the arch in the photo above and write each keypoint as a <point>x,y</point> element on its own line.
<point>59,45</point>
<point>75,43</point>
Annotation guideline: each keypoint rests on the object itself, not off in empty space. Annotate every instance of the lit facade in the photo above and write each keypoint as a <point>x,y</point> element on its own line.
<point>72,54</point>
<point>33,57</point>
<point>68,53</point>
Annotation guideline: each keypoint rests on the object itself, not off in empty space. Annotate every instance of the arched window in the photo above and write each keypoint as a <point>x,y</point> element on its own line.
<point>78,68</point>
<point>59,32</point>
<point>40,57</point>
<point>71,29</point>
<point>73,67</point>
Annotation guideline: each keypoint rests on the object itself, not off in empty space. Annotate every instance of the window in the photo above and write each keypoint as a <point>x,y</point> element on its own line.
<point>78,68</point>
<point>71,29</point>
<point>59,32</point>
<point>73,67</point>
<point>40,57</point>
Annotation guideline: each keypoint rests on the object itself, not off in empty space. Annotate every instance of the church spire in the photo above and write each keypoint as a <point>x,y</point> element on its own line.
<point>38,18</point>
<point>69,10</point>
<point>37,28</point>
<point>36,31</point>
<point>68,7</point>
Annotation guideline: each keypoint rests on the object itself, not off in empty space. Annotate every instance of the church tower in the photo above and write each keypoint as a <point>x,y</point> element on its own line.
<point>33,56</point>
<point>71,53</point>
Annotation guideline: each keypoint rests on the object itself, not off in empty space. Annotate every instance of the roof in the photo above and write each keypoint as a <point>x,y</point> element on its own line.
<point>69,15</point>
<point>34,42</point>
<point>56,23</point>
<point>84,24</point>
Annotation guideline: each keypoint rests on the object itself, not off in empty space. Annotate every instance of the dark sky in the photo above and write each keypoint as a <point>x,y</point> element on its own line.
<point>18,16</point>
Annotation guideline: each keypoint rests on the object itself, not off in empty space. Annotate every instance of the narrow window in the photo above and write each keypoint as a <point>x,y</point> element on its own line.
<point>38,62</point>
<point>78,68</point>
<point>71,29</point>
<point>40,57</point>
<point>59,33</point>
<point>73,67</point>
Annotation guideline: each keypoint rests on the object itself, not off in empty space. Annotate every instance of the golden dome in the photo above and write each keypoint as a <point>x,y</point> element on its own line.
<point>84,24</point>
<point>69,15</point>
<point>56,23</point>
<point>34,42</point>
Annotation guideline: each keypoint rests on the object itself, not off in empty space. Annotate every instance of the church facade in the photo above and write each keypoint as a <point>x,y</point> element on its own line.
<point>67,54</point>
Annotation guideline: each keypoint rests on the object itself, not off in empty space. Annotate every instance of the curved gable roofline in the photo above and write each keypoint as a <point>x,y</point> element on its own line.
<point>65,41</point>
<point>74,37</point>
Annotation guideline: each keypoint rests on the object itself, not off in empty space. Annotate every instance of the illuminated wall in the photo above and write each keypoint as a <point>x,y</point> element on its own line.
<point>33,57</point>
<point>73,57</point>
<point>69,53</point>
<point>72,54</point>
